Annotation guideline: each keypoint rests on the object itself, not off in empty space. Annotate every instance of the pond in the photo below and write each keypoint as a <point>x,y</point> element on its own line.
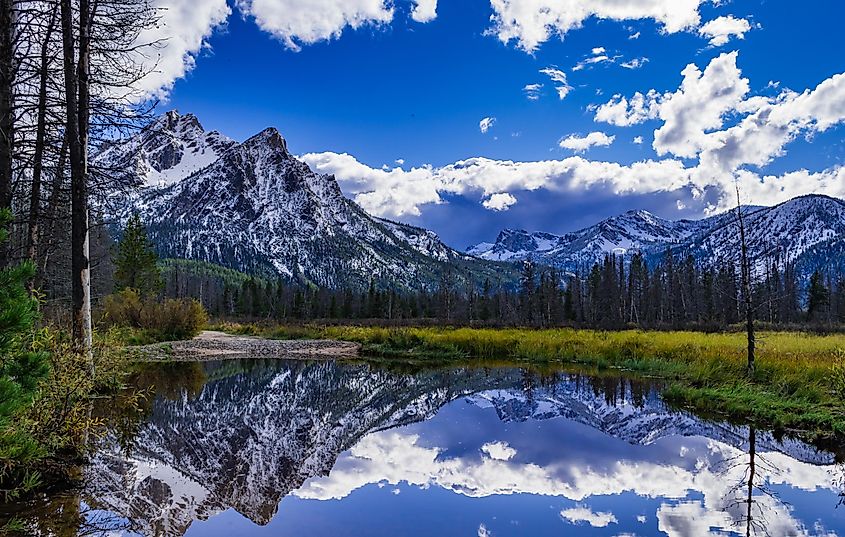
<point>322,448</point>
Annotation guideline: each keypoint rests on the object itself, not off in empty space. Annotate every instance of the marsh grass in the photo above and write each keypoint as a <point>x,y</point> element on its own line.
<point>798,384</point>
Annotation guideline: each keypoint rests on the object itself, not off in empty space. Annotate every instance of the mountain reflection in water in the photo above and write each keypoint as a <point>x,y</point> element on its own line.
<point>323,448</point>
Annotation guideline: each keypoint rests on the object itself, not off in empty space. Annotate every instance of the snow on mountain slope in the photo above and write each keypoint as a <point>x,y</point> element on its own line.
<point>168,150</point>
<point>785,231</point>
<point>632,231</point>
<point>790,231</point>
<point>256,208</point>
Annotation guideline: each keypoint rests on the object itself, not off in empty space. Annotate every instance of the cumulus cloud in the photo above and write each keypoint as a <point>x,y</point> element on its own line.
<point>710,117</point>
<point>485,124</point>
<point>559,78</point>
<point>582,514</point>
<point>699,106</point>
<point>501,201</point>
<point>399,192</point>
<point>580,144</point>
<point>531,23</point>
<point>298,22</point>
<point>638,140</point>
<point>721,29</point>
<point>182,32</point>
<point>624,112</point>
<point>532,91</point>
<point>424,10</point>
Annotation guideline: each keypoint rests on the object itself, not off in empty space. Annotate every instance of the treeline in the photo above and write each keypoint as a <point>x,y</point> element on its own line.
<point>616,293</point>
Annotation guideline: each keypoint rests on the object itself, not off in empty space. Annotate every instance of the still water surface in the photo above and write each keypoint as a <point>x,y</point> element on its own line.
<point>294,448</point>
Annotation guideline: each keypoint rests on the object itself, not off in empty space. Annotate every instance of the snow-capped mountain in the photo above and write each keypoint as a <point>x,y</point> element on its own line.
<point>255,207</point>
<point>170,149</point>
<point>800,230</point>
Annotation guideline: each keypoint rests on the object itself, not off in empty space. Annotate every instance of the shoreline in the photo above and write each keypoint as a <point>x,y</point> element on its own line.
<point>211,345</point>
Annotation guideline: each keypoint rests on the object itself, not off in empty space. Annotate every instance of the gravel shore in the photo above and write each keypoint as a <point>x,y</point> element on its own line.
<point>220,346</point>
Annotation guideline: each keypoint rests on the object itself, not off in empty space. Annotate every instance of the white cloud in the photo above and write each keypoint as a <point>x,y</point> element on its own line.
<point>533,22</point>
<point>635,35</point>
<point>501,201</point>
<point>559,78</point>
<point>577,515</point>
<point>483,531</point>
<point>580,144</point>
<point>297,22</point>
<point>638,140</point>
<point>635,63</point>
<point>499,451</point>
<point>532,91</point>
<point>424,10</point>
<point>182,31</point>
<point>598,50</point>
<point>400,161</point>
<point>592,60</point>
<point>485,124</point>
<point>721,29</point>
<point>699,106</point>
<point>622,112</point>
<point>399,192</point>
<point>693,127</point>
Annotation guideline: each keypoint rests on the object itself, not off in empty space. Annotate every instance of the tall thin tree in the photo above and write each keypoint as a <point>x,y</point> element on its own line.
<point>746,287</point>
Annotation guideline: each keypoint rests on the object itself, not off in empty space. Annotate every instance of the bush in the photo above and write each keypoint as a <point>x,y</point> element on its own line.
<point>165,320</point>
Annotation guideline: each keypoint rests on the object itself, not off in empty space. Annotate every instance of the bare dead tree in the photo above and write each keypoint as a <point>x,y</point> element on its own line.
<point>40,140</point>
<point>7,123</point>
<point>76,76</point>
<point>746,286</point>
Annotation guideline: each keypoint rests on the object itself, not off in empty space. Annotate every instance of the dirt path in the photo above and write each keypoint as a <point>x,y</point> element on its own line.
<point>211,345</point>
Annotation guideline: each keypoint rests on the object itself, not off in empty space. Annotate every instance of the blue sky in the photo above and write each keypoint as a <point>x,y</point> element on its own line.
<point>357,88</point>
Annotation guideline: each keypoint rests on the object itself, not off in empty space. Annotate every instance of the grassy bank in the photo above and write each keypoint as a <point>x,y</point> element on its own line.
<point>798,386</point>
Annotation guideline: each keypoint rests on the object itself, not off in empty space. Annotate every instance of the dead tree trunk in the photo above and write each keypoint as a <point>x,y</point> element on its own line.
<point>7,123</point>
<point>52,210</point>
<point>746,287</point>
<point>40,143</point>
<point>76,100</point>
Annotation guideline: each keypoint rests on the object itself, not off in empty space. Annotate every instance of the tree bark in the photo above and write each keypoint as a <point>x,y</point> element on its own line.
<point>76,99</point>
<point>52,211</point>
<point>746,288</point>
<point>7,123</point>
<point>40,142</point>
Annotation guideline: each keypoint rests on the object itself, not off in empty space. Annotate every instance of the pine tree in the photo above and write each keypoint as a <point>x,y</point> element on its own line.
<point>819,297</point>
<point>136,263</point>
<point>20,370</point>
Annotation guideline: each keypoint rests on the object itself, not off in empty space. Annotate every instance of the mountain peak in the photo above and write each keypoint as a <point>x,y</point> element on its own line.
<point>270,137</point>
<point>173,121</point>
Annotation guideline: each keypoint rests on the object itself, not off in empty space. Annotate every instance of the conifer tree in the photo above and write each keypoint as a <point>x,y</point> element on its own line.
<point>20,370</point>
<point>819,297</point>
<point>136,263</point>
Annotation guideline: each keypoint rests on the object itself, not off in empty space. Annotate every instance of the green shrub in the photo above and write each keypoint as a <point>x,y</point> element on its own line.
<point>165,320</point>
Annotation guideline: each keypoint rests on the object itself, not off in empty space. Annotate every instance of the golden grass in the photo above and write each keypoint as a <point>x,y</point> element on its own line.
<point>798,383</point>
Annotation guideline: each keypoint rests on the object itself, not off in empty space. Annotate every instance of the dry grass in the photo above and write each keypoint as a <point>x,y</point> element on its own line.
<point>798,383</point>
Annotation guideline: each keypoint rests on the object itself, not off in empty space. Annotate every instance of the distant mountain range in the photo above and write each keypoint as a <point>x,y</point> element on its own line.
<point>809,231</point>
<point>255,207</point>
